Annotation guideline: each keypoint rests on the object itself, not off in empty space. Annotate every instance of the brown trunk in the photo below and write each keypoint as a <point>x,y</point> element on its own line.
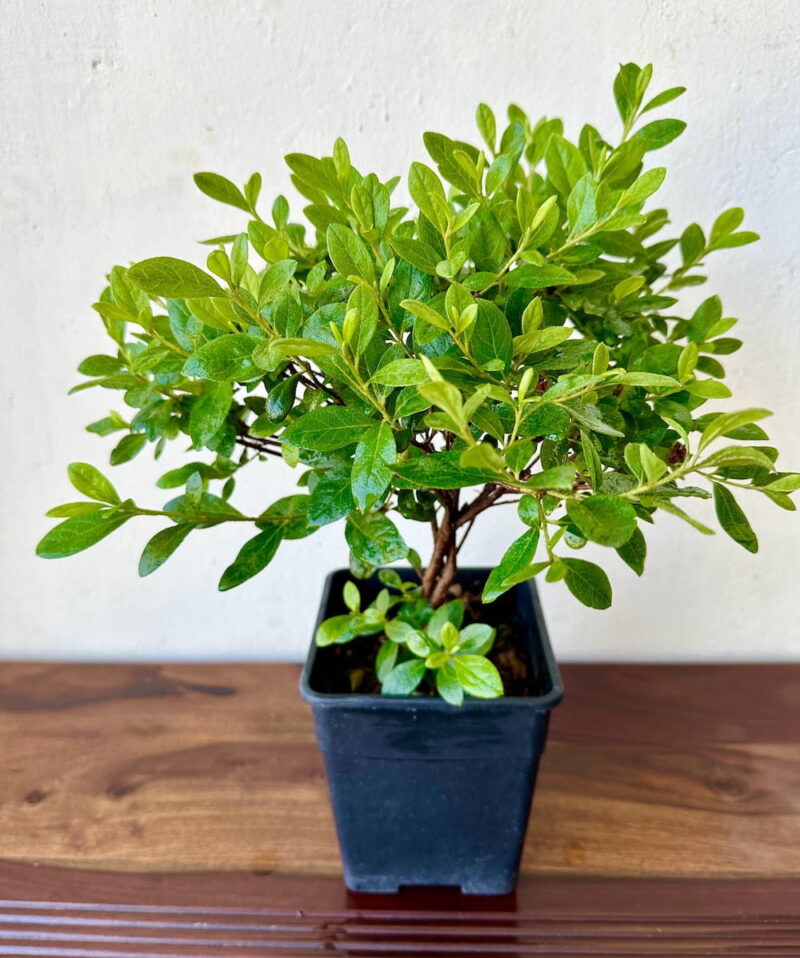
<point>441,571</point>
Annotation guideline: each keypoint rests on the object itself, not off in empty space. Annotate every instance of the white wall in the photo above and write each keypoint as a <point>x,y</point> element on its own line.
<point>108,108</point>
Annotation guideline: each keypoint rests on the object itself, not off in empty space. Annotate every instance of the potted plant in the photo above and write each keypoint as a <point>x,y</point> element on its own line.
<point>513,339</point>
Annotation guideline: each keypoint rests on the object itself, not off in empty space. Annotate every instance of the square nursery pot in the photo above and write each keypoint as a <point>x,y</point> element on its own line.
<point>425,793</point>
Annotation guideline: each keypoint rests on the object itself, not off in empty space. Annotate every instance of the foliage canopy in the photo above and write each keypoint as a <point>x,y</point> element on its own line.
<point>516,334</point>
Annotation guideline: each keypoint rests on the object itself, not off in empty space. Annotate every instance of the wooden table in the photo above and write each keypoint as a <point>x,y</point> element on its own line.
<point>182,810</point>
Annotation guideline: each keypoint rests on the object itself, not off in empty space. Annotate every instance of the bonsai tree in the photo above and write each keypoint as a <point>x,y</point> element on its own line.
<point>515,337</point>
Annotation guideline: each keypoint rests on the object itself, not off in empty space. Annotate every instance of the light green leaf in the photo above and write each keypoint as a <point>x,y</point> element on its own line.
<point>221,189</point>
<point>538,277</point>
<point>78,533</point>
<point>173,278</point>
<point>349,253</point>
<point>478,676</point>
<point>92,483</point>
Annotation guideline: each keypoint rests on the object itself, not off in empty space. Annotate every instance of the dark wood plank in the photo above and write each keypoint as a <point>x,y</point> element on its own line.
<point>182,810</point>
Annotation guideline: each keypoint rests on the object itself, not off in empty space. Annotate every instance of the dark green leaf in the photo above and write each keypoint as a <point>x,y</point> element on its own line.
<point>609,520</point>
<point>329,428</point>
<point>209,412</point>
<point>255,555</point>
<point>439,470</point>
<point>161,547</point>
<point>374,539</point>
<point>518,555</point>
<point>634,551</point>
<point>733,520</point>
<point>374,455</point>
<point>588,583</point>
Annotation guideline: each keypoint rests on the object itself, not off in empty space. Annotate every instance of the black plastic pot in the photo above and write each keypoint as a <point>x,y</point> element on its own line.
<point>425,793</point>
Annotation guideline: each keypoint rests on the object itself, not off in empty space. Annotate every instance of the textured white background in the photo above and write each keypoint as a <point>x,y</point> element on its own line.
<point>108,108</point>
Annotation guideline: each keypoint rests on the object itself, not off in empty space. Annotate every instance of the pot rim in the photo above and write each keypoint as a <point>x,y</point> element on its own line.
<point>366,702</point>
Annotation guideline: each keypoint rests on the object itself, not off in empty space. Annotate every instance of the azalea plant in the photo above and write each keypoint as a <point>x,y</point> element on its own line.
<point>513,337</point>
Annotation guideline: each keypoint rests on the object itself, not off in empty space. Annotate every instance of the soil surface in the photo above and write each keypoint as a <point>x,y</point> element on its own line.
<point>351,667</point>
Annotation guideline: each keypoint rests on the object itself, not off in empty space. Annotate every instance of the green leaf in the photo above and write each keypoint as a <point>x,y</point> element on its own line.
<point>588,583</point>
<point>78,533</point>
<point>161,547</point>
<point>401,372</point>
<point>404,678</point>
<point>582,205</point>
<point>608,520</point>
<point>128,447</point>
<point>338,629</point>
<point>538,277</point>
<point>487,125</point>
<point>68,509</point>
<point>416,252</point>
<point>385,660</point>
<point>478,676</point>
<point>787,483</point>
<point>209,412</point>
<point>518,555</point>
<point>173,278</point>
<point>226,358</point>
<point>92,483</point>
<point>738,456</point>
<point>349,253</point>
<point>476,638</point>
<point>634,551</point>
<point>426,313</point>
<point>428,193</point>
<point>331,499</point>
<point>221,189</point>
<point>374,538</point>
<point>643,187</point>
<point>659,133</point>
<point>447,684</point>
<point>663,98</point>
<point>556,477</point>
<point>375,454</point>
<point>440,470</point>
<point>329,428</point>
<point>732,519</point>
<point>725,423</point>
<point>255,555</point>
<point>490,338</point>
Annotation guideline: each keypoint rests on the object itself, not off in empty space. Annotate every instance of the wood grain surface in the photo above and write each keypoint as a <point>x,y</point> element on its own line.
<point>182,809</point>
